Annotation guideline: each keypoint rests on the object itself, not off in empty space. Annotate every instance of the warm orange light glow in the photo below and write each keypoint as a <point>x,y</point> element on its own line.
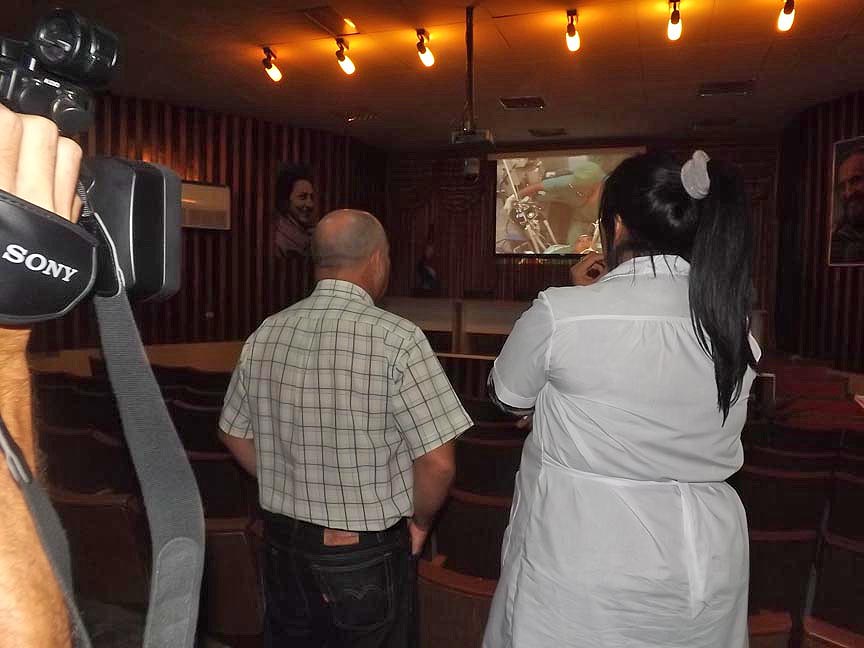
<point>786,17</point>
<point>673,29</point>
<point>427,57</point>
<point>573,41</point>
<point>347,64</point>
<point>350,24</point>
<point>270,67</point>
<point>274,72</point>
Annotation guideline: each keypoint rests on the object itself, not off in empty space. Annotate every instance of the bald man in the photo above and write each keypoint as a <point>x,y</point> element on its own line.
<point>343,413</point>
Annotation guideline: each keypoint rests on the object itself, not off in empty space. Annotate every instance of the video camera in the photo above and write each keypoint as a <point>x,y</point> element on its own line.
<point>125,245</point>
<point>128,238</point>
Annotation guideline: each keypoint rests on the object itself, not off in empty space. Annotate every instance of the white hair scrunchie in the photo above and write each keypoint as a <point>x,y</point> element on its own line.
<point>694,175</point>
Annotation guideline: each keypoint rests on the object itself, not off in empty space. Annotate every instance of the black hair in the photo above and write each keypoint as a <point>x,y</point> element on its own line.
<point>714,234</point>
<point>287,177</point>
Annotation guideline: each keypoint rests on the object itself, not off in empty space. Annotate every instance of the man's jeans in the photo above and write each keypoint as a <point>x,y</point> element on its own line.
<point>361,595</point>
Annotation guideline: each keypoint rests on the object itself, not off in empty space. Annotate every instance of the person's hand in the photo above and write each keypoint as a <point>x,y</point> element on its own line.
<point>418,535</point>
<point>589,269</point>
<point>38,166</point>
<point>525,423</point>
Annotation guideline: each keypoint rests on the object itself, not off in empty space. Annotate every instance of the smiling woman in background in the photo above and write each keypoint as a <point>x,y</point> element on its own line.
<point>623,532</point>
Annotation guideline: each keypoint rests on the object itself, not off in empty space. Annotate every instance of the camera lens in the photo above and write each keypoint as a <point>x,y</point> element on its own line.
<point>72,47</point>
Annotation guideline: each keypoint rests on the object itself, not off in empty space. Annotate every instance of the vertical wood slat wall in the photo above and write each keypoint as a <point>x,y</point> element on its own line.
<point>427,193</point>
<point>820,308</point>
<point>230,279</point>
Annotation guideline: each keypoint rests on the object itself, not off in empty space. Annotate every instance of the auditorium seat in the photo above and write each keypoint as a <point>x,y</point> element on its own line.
<point>757,433</point>
<point>846,516</point>
<point>197,426</point>
<point>485,411</point>
<point>828,387</point>
<point>850,463</point>
<point>487,466</point>
<point>72,406</point>
<point>813,433</point>
<point>769,630</point>
<point>503,430</point>
<point>470,530</point>
<point>778,500</point>
<point>232,600</point>
<point>215,381</point>
<point>109,544</point>
<point>85,460</point>
<point>819,634</point>
<point>780,563</point>
<point>224,489</point>
<point>453,607</point>
<point>839,598</point>
<point>765,457</point>
<point>193,396</point>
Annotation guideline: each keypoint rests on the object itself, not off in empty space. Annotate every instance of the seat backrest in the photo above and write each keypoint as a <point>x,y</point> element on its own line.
<point>780,564</point>
<point>846,516</point>
<point>454,607</point>
<point>470,530</point>
<point>232,593</point>
<point>197,426</point>
<point>86,461</point>
<point>109,545</point>
<point>796,461</point>
<point>484,411</point>
<point>839,596</point>
<point>777,500</point>
<point>487,466</point>
<point>225,491</point>
<point>189,377</point>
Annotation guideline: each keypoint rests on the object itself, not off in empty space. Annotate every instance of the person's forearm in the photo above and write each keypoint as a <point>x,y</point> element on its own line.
<point>243,451</point>
<point>431,485</point>
<point>32,610</point>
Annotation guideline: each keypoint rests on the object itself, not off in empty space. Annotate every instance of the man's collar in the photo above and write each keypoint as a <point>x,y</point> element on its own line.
<point>345,289</point>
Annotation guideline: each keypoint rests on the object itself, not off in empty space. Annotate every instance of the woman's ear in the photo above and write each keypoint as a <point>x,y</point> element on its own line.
<point>620,230</point>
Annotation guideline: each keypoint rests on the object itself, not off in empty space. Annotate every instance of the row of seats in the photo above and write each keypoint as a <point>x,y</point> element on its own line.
<point>95,490</point>
<point>109,544</point>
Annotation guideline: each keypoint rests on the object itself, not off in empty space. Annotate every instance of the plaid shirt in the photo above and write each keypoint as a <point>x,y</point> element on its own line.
<point>341,397</point>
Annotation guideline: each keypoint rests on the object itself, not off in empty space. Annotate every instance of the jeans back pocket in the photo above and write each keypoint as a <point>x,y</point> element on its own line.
<point>360,592</point>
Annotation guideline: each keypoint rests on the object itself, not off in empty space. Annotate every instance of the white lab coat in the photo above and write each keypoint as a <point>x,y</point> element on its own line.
<point>623,533</point>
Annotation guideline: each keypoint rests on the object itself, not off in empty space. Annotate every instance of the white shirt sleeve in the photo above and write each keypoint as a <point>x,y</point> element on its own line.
<point>519,372</point>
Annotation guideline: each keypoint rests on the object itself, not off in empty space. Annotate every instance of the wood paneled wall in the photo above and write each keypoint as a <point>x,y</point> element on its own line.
<point>820,308</point>
<point>429,195</point>
<point>230,279</point>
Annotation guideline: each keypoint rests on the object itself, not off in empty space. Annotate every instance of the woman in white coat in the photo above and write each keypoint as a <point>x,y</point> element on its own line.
<point>623,533</point>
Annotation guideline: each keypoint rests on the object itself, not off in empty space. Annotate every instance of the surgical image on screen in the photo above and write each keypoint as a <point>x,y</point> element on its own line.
<point>549,203</point>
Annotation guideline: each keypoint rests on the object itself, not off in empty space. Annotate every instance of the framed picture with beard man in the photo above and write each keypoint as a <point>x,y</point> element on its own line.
<point>846,235</point>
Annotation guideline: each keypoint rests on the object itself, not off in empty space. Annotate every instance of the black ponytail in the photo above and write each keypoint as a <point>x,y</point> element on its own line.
<point>720,281</point>
<point>713,234</point>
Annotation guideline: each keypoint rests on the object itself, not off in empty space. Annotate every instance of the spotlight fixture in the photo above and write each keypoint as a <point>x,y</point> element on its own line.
<point>787,16</point>
<point>573,40</point>
<point>673,30</point>
<point>345,61</point>
<point>423,50</point>
<point>269,66</point>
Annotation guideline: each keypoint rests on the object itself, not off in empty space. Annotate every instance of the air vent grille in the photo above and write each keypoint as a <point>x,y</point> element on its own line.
<point>548,132</point>
<point>523,103</point>
<point>727,88</point>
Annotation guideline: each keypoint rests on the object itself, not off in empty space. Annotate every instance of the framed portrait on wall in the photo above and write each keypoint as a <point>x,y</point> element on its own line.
<point>846,234</point>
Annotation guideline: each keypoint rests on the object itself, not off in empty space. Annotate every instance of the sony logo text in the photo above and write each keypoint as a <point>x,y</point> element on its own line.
<point>38,262</point>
